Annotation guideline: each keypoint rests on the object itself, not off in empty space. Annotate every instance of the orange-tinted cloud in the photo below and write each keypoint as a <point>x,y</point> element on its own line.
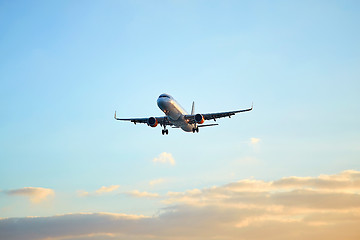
<point>156,181</point>
<point>105,189</point>
<point>99,191</point>
<point>35,194</point>
<point>139,194</point>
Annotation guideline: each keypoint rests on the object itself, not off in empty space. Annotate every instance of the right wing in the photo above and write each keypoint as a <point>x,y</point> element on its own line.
<point>210,116</point>
<point>163,121</point>
<point>214,116</point>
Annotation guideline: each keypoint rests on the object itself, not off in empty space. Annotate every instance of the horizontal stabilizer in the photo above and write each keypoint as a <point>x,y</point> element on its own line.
<point>208,125</point>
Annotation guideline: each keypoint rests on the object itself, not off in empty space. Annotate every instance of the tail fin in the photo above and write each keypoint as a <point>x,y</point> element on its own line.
<point>193,109</point>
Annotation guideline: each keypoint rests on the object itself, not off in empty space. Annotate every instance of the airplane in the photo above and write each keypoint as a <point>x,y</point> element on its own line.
<point>177,117</point>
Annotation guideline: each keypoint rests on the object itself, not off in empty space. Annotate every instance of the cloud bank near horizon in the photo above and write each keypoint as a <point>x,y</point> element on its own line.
<point>323,207</point>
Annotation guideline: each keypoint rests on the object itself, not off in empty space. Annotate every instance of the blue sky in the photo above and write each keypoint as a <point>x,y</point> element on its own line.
<point>66,66</point>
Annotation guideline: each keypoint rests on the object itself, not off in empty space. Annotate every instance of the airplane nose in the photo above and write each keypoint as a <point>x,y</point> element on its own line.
<point>161,103</point>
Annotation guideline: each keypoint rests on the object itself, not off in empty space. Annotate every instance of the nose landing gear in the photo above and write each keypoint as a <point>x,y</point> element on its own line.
<point>165,131</point>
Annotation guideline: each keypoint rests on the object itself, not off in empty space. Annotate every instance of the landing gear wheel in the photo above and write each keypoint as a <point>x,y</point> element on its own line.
<point>197,129</point>
<point>162,132</point>
<point>166,131</point>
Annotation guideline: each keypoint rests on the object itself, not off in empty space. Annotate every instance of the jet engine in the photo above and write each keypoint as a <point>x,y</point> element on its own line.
<point>152,122</point>
<point>199,118</point>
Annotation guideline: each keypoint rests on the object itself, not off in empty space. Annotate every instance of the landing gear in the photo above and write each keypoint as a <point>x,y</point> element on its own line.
<point>165,131</point>
<point>195,130</point>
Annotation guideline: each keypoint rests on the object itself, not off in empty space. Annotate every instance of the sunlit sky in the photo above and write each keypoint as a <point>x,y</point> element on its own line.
<point>66,66</point>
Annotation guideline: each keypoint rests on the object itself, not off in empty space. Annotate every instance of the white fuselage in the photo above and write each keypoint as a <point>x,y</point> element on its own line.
<point>174,112</point>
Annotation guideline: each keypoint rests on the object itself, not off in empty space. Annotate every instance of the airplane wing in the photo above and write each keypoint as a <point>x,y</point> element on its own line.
<point>163,121</point>
<point>214,116</point>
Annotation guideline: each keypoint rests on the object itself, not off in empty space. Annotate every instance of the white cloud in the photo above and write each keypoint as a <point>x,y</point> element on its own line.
<point>139,194</point>
<point>35,194</point>
<point>254,140</point>
<point>290,208</point>
<point>164,158</point>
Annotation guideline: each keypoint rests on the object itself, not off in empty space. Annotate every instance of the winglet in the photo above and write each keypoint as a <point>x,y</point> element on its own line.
<point>115,115</point>
<point>252,105</point>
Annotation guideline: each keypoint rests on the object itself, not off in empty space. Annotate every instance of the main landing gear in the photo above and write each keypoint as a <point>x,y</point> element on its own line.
<point>195,130</point>
<point>165,131</point>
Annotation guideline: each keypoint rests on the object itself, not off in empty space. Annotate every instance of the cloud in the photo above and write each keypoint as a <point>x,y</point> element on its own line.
<point>139,194</point>
<point>35,194</point>
<point>347,180</point>
<point>156,181</point>
<point>164,158</point>
<point>82,193</point>
<point>289,208</point>
<point>254,140</point>
<point>99,191</point>
<point>104,189</point>
<point>74,226</point>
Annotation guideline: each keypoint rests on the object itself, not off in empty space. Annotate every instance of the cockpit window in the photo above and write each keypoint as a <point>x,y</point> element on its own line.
<point>164,96</point>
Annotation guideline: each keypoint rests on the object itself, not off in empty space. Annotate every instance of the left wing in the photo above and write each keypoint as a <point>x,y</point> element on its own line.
<point>214,116</point>
<point>163,121</point>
